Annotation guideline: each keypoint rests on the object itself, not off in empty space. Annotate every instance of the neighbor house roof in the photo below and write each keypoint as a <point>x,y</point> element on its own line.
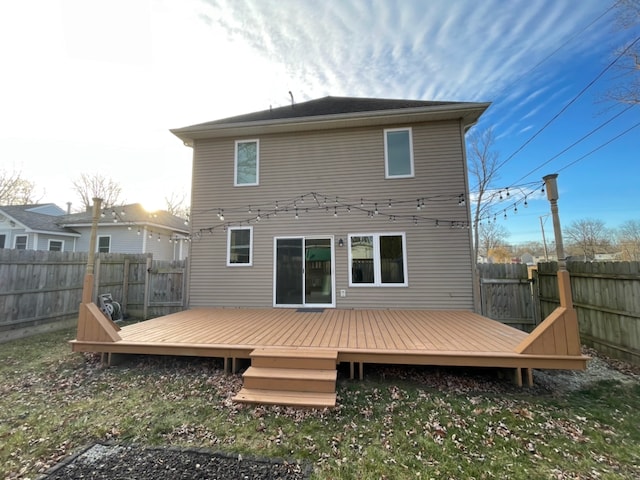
<point>334,112</point>
<point>29,217</point>
<point>130,214</point>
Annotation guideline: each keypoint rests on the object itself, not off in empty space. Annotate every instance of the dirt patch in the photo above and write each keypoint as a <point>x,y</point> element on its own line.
<point>599,368</point>
<point>116,462</point>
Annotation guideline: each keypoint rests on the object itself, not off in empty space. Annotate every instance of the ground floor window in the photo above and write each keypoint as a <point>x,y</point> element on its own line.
<point>377,259</point>
<point>20,242</point>
<point>56,245</point>
<point>104,244</point>
<point>239,246</point>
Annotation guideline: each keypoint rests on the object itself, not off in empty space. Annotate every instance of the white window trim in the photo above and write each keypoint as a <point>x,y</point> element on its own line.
<point>377,273</point>
<point>386,153</point>
<point>61,244</point>
<point>229,230</point>
<point>98,243</point>
<point>15,241</point>
<point>235,163</point>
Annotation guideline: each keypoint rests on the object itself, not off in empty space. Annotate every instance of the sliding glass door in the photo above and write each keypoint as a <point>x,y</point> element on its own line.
<point>303,273</point>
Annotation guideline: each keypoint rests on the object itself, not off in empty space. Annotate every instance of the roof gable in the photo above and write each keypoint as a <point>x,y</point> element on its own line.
<point>30,217</point>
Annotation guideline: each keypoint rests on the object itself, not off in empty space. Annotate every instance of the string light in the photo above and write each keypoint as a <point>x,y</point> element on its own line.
<point>320,204</point>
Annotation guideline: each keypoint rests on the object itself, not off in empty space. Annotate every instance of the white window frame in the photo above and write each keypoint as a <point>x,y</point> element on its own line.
<point>235,163</point>
<point>26,243</point>
<point>98,243</point>
<point>59,241</point>
<point>232,229</point>
<point>386,153</point>
<point>377,270</point>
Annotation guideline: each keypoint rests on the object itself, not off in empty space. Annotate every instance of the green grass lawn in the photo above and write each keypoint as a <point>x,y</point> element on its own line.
<point>398,423</point>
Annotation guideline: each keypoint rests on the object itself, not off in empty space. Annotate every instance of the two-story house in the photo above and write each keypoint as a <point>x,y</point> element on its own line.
<point>335,202</point>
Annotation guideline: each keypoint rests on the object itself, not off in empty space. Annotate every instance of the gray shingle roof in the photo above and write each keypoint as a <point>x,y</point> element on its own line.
<point>134,213</point>
<point>35,221</point>
<point>327,106</point>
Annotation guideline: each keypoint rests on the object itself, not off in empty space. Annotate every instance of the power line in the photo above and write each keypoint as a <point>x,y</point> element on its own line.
<point>600,147</point>
<point>602,125</point>
<point>564,44</point>
<point>571,102</point>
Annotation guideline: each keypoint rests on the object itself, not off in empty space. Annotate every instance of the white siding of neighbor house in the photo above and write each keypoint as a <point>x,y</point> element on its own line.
<point>129,242</point>
<point>43,241</point>
<point>347,163</point>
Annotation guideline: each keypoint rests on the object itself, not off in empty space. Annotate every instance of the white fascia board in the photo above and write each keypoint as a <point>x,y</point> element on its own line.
<point>469,112</point>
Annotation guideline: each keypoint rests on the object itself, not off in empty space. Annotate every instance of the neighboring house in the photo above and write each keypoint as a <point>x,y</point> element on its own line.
<point>132,229</point>
<point>35,227</point>
<point>124,229</point>
<point>335,202</point>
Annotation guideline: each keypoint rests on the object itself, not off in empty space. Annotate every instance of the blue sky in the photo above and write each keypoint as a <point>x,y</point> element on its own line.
<point>92,86</point>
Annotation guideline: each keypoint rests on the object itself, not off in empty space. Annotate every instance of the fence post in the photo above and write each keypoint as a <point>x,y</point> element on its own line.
<point>147,286</point>
<point>125,286</point>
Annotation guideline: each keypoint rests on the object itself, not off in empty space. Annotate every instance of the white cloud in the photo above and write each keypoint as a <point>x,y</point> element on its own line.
<point>96,85</point>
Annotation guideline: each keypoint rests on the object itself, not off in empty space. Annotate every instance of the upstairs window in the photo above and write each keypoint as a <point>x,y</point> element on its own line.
<point>56,245</point>
<point>378,260</point>
<point>20,242</point>
<point>247,162</point>
<point>398,153</point>
<point>104,244</point>
<point>240,246</point>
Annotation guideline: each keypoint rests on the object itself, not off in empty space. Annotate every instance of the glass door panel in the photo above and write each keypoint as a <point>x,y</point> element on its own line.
<point>317,272</point>
<point>289,271</point>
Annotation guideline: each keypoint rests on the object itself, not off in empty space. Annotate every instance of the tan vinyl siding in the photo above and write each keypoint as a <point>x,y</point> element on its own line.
<point>348,164</point>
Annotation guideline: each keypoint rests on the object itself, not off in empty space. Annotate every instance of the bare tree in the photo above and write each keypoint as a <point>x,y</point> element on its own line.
<point>88,186</point>
<point>483,168</point>
<point>16,190</point>
<point>176,204</point>
<point>628,236</point>
<point>627,90</point>
<point>491,236</point>
<point>588,237</point>
<point>501,254</point>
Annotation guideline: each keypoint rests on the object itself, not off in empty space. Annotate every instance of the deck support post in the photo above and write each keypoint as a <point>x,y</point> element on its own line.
<point>518,377</point>
<point>522,376</point>
<point>352,373</point>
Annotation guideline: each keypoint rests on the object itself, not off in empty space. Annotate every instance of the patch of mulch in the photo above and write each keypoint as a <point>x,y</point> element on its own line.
<point>118,462</point>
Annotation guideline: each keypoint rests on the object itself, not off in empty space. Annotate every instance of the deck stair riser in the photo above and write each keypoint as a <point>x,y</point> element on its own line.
<point>297,377</point>
<point>290,379</point>
<point>294,358</point>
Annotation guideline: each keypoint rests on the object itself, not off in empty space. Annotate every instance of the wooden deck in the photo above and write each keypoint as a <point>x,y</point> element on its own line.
<point>410,337</point>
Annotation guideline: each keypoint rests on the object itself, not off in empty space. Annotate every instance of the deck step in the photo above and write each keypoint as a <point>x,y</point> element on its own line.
<point>290,379</point>
<point>291,376</point>
<point>301,358</point>
<point>281,397</point>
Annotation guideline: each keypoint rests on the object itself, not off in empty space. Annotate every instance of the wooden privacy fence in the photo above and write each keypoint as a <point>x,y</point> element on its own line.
<point>508,295</point>
<point>41,290</point>
<point>606,296</point>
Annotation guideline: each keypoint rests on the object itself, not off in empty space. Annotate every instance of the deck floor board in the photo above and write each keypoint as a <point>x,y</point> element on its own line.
<point>448,337</point>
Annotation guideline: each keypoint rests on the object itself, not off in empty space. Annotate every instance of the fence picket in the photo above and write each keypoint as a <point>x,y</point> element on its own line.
<point>41,290</point>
